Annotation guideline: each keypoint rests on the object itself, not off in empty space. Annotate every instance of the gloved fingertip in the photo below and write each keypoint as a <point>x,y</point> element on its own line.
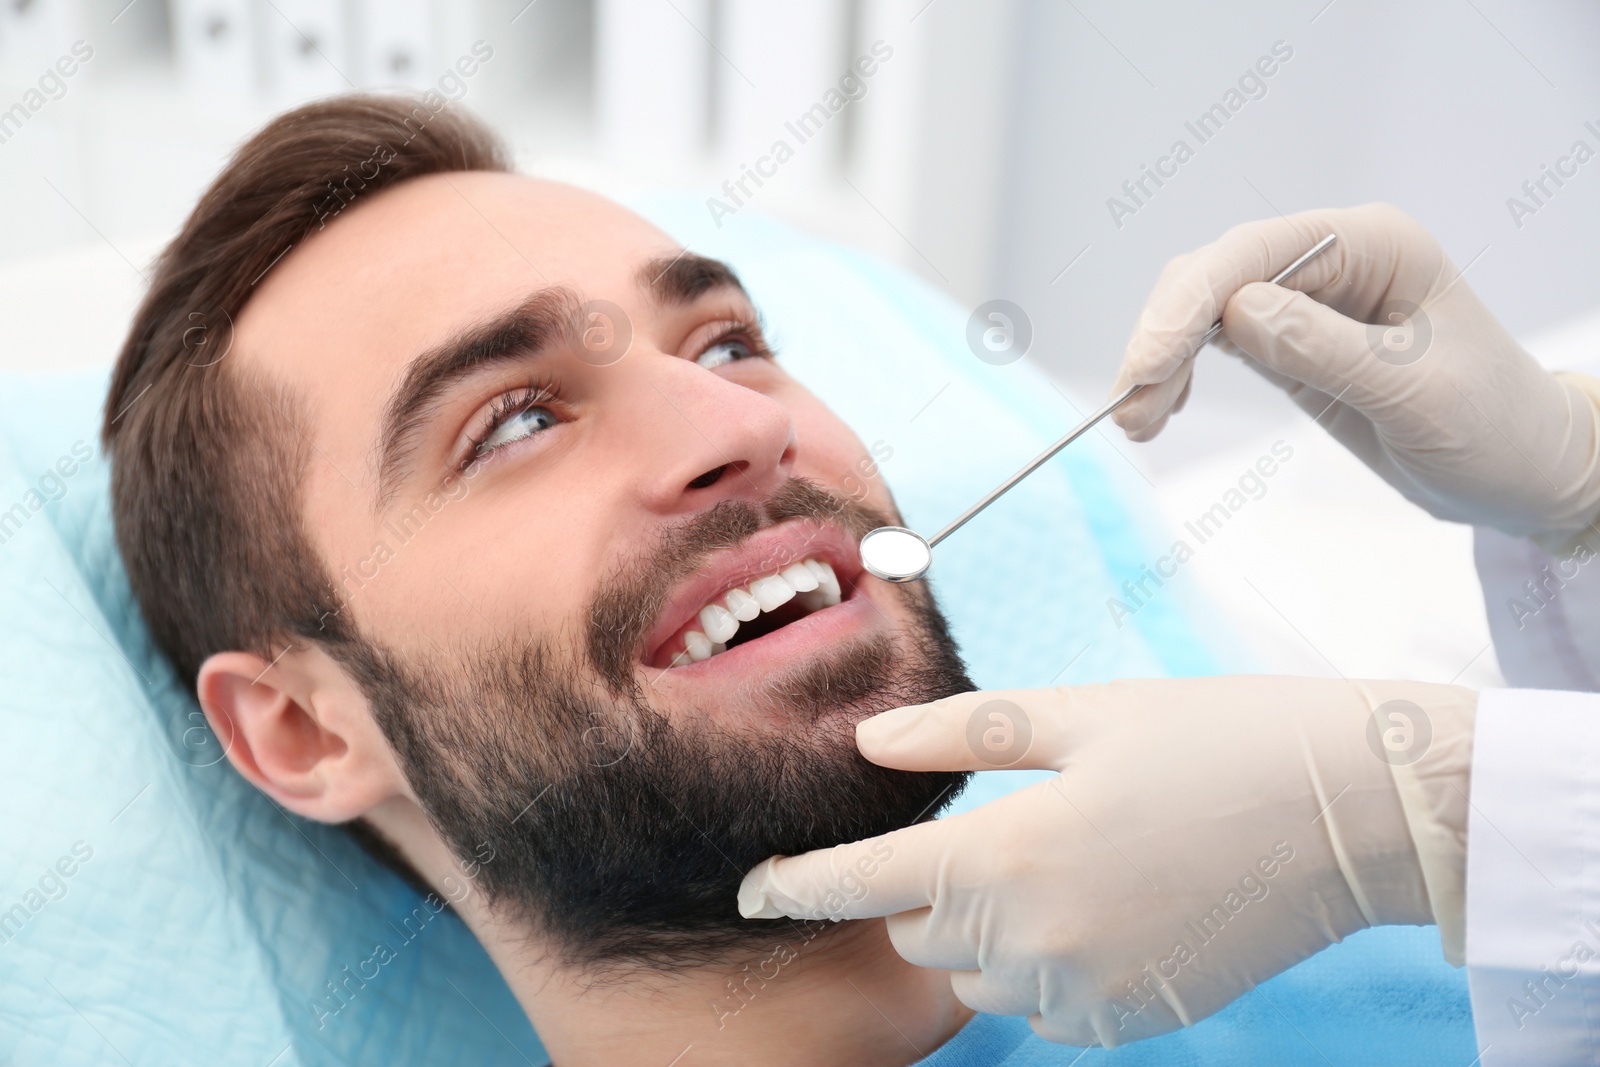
<point>881,731</point>
<point>1147,432</point>
<point>754,902</point>
<point>1135,415</point>
<point>1142,366</point>
<point>760,908</point>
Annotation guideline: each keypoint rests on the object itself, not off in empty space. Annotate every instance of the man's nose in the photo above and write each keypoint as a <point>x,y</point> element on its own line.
<point>709,438</point>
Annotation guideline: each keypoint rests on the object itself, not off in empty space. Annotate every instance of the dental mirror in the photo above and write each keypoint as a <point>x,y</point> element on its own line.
<point>897,554</point>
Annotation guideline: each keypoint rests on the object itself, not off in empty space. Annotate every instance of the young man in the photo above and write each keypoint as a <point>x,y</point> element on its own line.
<point>482,519</point>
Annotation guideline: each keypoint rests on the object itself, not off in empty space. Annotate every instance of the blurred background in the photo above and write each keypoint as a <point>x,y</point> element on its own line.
<point>998,148</point>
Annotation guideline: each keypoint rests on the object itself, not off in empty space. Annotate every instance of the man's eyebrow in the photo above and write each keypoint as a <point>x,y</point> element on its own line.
<point>544,318</point>
<point>684,278</point>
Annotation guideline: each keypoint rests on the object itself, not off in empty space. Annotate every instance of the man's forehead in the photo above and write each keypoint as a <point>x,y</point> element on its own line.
<point>400,271</point>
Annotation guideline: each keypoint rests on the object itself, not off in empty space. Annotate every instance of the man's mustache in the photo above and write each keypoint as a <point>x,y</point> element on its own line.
<point>629,602</point>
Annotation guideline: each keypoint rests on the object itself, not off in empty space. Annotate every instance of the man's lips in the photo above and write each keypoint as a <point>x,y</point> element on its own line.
<point>761,556</point>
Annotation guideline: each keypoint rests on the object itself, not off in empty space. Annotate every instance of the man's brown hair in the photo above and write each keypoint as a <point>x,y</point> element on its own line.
<point>207,461</point>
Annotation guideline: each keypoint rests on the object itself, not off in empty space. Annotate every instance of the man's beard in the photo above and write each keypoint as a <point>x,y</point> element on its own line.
<point>619,835</point>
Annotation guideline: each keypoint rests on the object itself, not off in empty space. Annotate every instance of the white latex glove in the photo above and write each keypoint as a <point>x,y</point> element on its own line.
<point>1443,404</point>
<point>1202,835</point>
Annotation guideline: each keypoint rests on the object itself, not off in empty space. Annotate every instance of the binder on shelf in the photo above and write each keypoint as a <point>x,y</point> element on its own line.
<point>214,45</point>
<point>33,35</point>
<point>394,44</point>
<point>307,49</point>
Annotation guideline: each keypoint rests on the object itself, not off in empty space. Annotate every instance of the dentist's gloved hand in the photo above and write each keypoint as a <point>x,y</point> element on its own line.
<point>1201,836</point>
<point>1443,404</point>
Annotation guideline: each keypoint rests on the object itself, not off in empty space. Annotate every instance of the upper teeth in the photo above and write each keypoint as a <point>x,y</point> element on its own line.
<point>812,580</point>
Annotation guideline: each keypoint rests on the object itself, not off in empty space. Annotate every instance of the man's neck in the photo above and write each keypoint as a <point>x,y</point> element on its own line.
<point>816,993</point>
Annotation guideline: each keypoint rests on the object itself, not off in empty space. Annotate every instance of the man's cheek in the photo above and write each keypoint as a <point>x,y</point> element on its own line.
<point>859,482</point>
<point>827,452</point>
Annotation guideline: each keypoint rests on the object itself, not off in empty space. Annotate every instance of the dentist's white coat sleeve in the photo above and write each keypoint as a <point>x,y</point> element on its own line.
<point>1533,853</point>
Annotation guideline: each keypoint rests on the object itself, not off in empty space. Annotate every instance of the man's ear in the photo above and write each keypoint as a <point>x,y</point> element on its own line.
<point>300,730</point>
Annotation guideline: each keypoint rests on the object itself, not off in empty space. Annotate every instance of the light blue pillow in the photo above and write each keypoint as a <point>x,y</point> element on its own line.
<point>154,907</point>
<point>199,923</point>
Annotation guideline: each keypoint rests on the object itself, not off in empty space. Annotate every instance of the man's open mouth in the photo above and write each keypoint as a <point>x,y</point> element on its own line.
<point>777,578</point>
<point>745,613</point>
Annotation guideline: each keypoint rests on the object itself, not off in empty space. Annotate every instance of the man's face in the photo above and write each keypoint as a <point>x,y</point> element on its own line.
<point>598,545</point>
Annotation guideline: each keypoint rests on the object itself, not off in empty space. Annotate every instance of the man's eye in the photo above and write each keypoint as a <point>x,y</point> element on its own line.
<point>515,426</point>
<point>730,350</point>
